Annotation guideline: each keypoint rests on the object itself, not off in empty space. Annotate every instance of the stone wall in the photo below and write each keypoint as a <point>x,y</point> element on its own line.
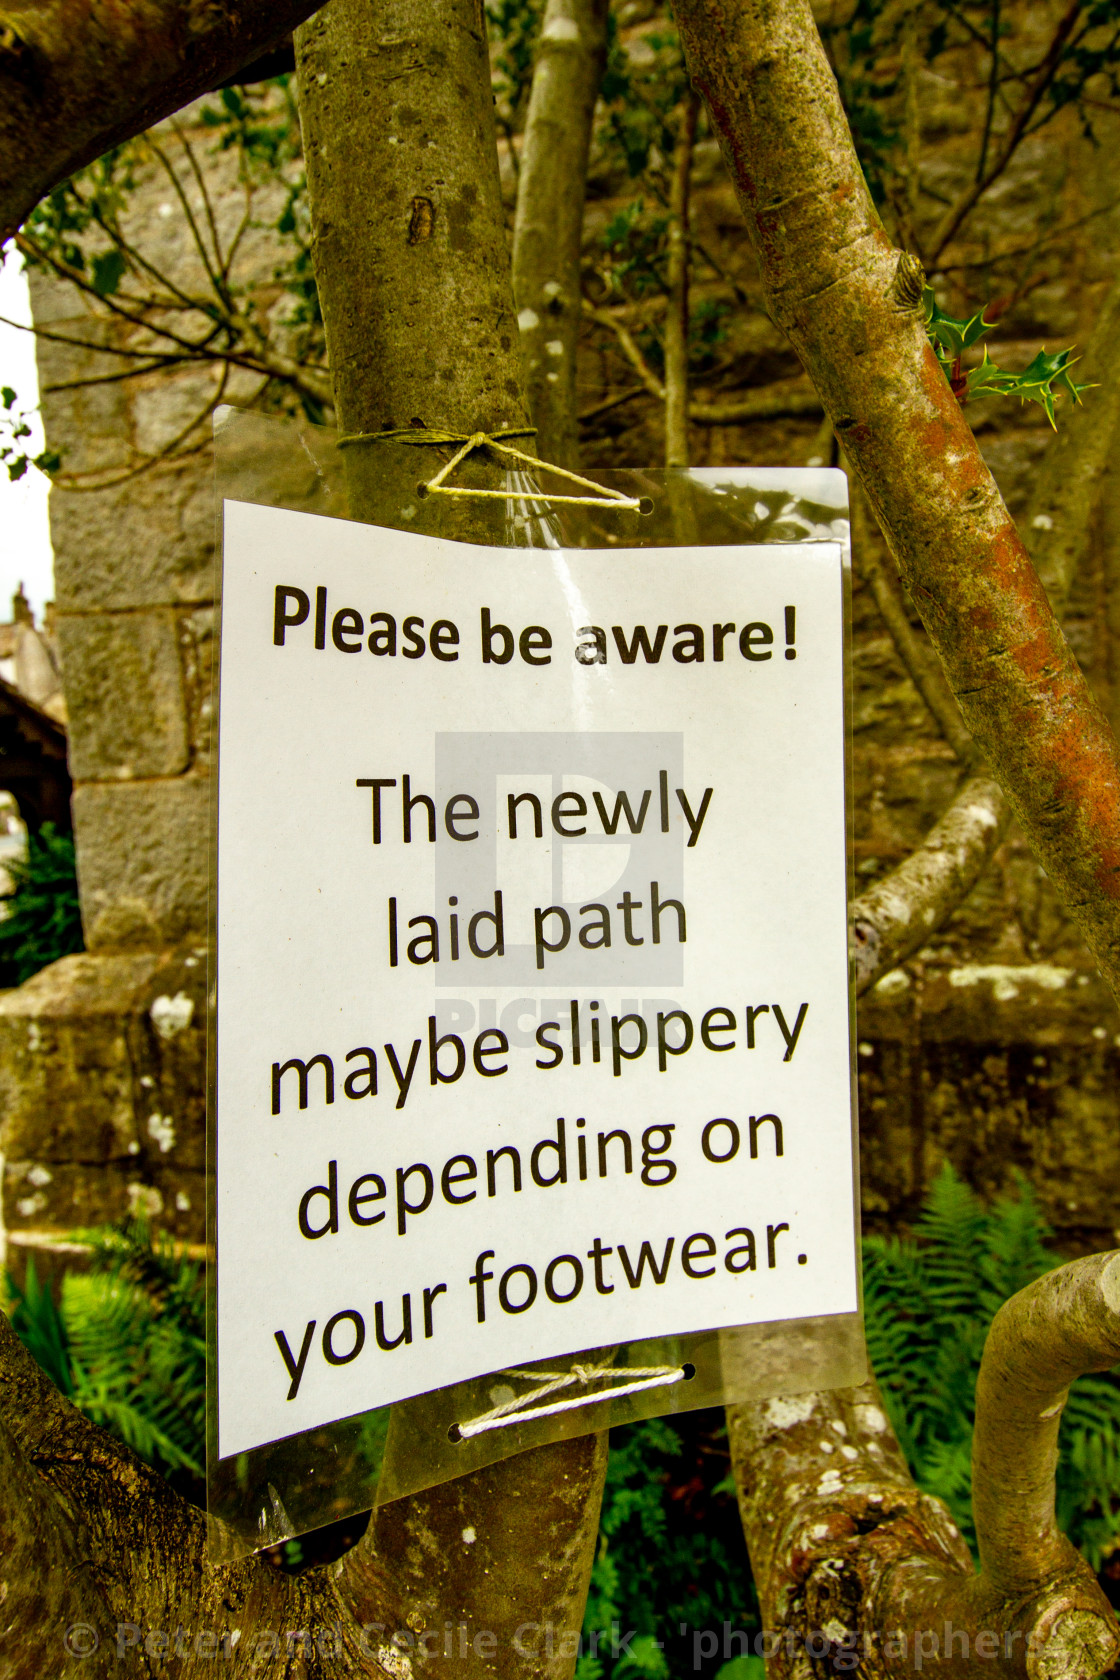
<point>102,1056</point>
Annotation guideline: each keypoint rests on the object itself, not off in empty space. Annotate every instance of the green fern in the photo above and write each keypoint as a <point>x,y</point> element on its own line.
<point>928,1303</point>
<point>126,1343</point>
<point>40,919</point>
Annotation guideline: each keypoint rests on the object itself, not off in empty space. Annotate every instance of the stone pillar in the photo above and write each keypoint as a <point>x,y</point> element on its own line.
<point>102,1056</point>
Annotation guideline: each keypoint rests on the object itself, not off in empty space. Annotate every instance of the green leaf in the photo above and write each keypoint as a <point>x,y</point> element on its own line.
<point>951,334</point>
<point>108,269</point>
<point>742,1668</point>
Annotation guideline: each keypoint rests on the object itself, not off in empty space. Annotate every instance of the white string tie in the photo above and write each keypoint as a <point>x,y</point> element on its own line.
<point>523,1407</point>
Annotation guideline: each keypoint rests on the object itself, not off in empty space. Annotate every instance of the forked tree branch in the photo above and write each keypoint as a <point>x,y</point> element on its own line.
<point>850,1557</point>
<point>987,174</point>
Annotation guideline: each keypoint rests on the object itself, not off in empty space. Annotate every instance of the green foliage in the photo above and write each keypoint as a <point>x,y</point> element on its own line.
<point>1041,382</point>
<point>670,1551</point>
<point>641,93</point>
<point>14,430</point>
<point>126,1343</point>
<point>42,919</point>
<point>513,27</point>
<point>634,242</point>
<point>928,1303</point>
<point>868,51</point>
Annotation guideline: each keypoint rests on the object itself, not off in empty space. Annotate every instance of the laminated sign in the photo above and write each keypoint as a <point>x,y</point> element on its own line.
<point>533,1003</point>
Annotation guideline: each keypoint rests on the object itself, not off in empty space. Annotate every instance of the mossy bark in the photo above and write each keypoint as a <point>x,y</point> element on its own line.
<point>849,1557</point>
<point>410,249</point>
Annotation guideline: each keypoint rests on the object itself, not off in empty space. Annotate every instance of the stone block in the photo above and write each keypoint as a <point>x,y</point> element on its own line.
<point>102,1094</point>
<point>999,1069</point>
<point>142,860</point>
<point>124,694</point>
<point>146,543</point>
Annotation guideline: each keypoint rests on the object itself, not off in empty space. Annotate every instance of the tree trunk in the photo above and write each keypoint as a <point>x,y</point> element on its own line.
<point>549,220</point>
<point>414,279</point>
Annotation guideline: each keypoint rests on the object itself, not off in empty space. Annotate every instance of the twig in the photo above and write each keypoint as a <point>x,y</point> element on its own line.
<point>952,221</point>
<point>677,316</point>
<point>919,659</point>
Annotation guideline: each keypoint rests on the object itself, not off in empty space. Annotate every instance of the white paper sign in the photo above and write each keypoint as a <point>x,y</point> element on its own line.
<point>532,957</point>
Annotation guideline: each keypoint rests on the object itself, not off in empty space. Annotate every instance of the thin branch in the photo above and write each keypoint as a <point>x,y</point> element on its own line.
<point>1035,246</point>
<point>89,344</point>
<point>221,271</point>
<point>159,365</point>
<point>951,223</point>
<point>171,450</point>
<point>629,347</point>
<point>616,401</point>
<point>139,260</point>
<point>30,247</point>
<point>677,315</point>
<point>184,204</point>
<point>993,89</point>
<point>786,398</point>
<point>919,659</point>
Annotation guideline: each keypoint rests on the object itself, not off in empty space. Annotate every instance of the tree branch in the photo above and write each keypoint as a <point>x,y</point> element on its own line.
<point>679,264</point>
<point>848,1553</point>
<point>77,77</point>
<point>901,913</point>
<point>830,276</point>
<point>898,915</point>
<point>954,217</point>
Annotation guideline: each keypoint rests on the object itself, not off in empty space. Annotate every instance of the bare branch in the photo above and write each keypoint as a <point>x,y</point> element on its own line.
<point>191,220</point>
<point>951,222</point>
<point>629,347</point>
<point>900,913</point>
<point>679,264</point>
<point>786,398</point>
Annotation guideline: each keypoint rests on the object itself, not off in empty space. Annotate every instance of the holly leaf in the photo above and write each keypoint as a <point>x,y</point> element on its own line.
<point>1045,377</point>
<point>949,334</point>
